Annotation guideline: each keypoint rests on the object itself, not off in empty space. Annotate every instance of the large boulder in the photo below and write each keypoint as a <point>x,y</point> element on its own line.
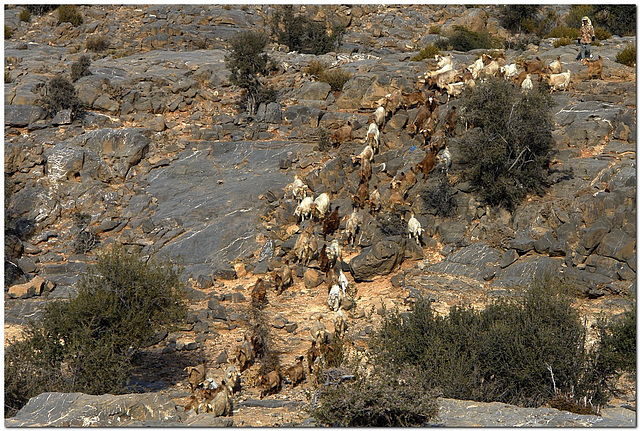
<point>379,259</point>
<point>22,115</point>
<point>55,409</point>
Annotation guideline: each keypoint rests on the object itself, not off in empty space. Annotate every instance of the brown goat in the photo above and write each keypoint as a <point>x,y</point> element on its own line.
<point>270,382</point>
<point>595,67</point>
<point>259,294</point>
<point>312,354</point>
<point>295,373</point>
<point>323,259</point>
<point>532,67</point>
<point>417,125</point>
<point>450,121</point>
<point>427,164</point>
<point>331,223</point>
<point>196,375</point>
<point>283,278</point>
<point>362,193</point>
<point>244,355</point>
<point>411,99</point>
<point>342,134</point>
<point>366,169</point>
<point>374,200</point>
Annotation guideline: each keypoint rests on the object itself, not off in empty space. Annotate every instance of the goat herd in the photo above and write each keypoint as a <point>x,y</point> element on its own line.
<point>207,394</point>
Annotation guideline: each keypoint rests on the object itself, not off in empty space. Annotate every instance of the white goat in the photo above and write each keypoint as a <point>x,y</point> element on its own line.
<point>303,210</point>
<point>454,89</point>
<point>373,137</point>
<point>379,116</point>
<point>335,298</point>
<point>334,251</point>
<point>298,189</point>
<point>415,228</point>
<point>476,67</point>
<point>367,152</point>
<point>343,282</point>
<point>509,70</point>
<point>444,158</point>
<point>527,85</point>
<point>555,66</point>
<point>352,227</point>
<point>559,81</point>
<point>320,205</point>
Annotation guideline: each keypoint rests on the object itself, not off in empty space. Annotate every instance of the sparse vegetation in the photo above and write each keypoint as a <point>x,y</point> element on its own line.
<point>299,33</point>
<point>85,238</point>
<point>441,199</point>
<point>25,15</point>
<point>80,68</point>
<point>387,397</point>
<point>86,344</point>
<point>8,32</point>
<point>519,17</point>
<point>97,43</point>
<point>59,94</point>
<point>508,154</point>
<point>315,68</point>
<point>40,9</point>
<point>627,56</point>
<point>392,223</point>
<point>69,13</point>
<point>336,78</point>
<point>428,51</point>
<point>617,19</point>
<point>563,41</point>
<point>463,39</point>
<point>247,61</point>
<point>566,32</point>
<point>524,351</point>
<point>435,29</point>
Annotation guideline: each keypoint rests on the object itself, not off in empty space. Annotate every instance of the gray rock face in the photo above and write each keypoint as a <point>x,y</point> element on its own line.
<point>379,259</point>
<point>54,409</point>
<point>470,261</point>
<point>457,413</point>
<point>22,115</point>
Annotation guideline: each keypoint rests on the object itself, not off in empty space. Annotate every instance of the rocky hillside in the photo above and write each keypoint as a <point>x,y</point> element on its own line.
<point>165,161</point>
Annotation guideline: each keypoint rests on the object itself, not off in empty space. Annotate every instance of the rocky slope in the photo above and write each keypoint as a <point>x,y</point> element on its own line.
<point>166,162</point>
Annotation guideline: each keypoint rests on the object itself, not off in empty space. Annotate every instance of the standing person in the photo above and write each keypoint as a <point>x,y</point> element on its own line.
<point>587,35</point>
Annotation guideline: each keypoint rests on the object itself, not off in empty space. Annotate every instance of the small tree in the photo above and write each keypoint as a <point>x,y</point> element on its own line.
<point>513,16</point>
<point>86,344</point>
<point>80,68</point>
<point>509,149</point>
<point>247,61</point>
<point>301,34</point>
<point>59,94</point>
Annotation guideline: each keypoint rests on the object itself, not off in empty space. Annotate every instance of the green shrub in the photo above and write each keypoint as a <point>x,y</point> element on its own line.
<point>86,344</point>
<point>627,56</point>
<point>618,19</point>
<point>247,61</point>
<point>563,31</point>
<point>602,33</point>
<point>428,51</point>
<point>336,78</point>
<point>524,351</point>
<point>391,224</point>
<point>8,32</point>
<point>25,15</point>
<point>60,94</point>
<point>97,43</point>
<point>69,13</point>
<point>387,398</point>
<point>574,18</point>
<point>441,199</point>
<point>519,17</point>
<point>509,149</point>
<point>80,68</point>
<point>563,41</point>
<point>40,9</point>
<point>463,39</point>
<point>315,68</point>
<point>617,350</point>
<point>299,33</point>
<point>435,29</point>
